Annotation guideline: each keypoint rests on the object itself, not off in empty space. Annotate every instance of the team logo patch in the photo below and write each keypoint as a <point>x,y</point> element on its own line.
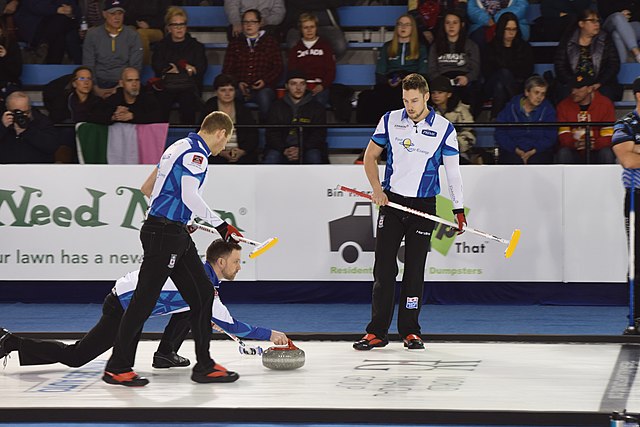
<point>408,145</point>
<point>412,303</point>
<point>429,132</point>
<point>197,159</point>
<point>172,261</point>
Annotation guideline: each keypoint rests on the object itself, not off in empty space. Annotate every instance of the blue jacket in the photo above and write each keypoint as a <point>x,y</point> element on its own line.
<point>526,138</point>
<point>479,16</point>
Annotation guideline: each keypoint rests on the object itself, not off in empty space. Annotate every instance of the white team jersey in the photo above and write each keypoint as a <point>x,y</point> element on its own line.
<point>170,300</point>
<point>415,152</point>
<point>188,156</point>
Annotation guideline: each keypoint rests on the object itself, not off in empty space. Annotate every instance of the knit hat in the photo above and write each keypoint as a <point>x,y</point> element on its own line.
<point>440,84</point>
<point>295,74</point>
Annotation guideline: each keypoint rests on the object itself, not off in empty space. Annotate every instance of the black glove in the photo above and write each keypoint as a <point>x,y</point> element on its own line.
<point>227,231</point>
<point>460,219</point>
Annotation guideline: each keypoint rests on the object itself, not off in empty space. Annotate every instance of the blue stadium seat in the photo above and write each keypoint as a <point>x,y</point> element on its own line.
<point>206,16</point>
<point>370,16</point>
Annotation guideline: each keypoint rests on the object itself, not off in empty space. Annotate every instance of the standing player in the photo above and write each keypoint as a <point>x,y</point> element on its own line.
<point>626,146</point>
<point>223,262</point>
<point>418,142</point>
<point>169,252</point>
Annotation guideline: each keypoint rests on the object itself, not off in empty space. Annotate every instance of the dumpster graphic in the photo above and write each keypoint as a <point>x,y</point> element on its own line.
<point>353,234</point>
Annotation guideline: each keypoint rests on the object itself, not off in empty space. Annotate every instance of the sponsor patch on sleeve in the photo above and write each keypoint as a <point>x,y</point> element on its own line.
<point>197,159</point>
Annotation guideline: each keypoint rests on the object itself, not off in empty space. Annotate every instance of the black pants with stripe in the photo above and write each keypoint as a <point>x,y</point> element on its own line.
<point>168,252</point>
<point>393,226</point>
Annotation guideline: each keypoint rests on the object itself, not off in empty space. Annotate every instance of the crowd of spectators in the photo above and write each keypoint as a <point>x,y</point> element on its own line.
<point>282,54</point>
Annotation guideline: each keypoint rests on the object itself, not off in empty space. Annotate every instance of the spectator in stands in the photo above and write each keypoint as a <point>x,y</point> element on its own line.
<point>585,105</point>
<point>507,62</point>
<point>312,55</point>
<point>271,13</point>
<point>242,148</point>
<point>328,26</point>
<point>70,99</point>
<point>556,16</point>
<point>53,23</point>
<point>108,49</point>
<point>147,17</point>
<point>26,135</point>
<point>181,62</point>
<point>255,62</point>
<point>522,144</point>
<point>430,13</point>
<point>399,57</point>
<point>484,14</point>
<point>587,49</point>
<point>621,21</point>
<point>297,107</point>
<point>131,105</point>
<point>457,57</point>
<point>10,62</point>
<point>449,106</point>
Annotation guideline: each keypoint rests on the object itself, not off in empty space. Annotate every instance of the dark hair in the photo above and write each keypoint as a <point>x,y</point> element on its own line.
<point>78,69</point>
<point>575,22</point>
<point>223,80</point>
<point>256,11</point>
<point>442,42</point>
<point>502,24</point>
<point>415,81</point>
<point>6,36</point>
<point>220,249</point>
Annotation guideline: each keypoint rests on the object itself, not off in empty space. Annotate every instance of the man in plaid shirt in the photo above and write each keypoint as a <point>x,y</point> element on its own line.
<point>254,60</point>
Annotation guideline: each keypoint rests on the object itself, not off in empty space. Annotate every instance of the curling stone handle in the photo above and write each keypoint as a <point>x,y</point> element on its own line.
<point>292,346</point>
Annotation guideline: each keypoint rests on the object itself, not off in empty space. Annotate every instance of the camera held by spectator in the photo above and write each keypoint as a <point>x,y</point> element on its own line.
<point>20,118</point>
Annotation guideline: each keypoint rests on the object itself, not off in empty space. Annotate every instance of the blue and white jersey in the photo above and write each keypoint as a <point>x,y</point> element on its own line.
<point>415,152</point>
<point>171,301</point>
<point>628,129</point>
<point>182,173</point>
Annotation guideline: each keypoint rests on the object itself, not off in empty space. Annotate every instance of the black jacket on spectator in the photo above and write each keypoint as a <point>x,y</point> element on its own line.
<point>518,58</point>
<point>11,63</point>
<point>247,137</point>
<point>604,56</point>
<point>167,51</point>
<point>150,11</point>
<point>37,144</point>
<point>557,15</point>
<point>307,111</point>
<point>145,109</point>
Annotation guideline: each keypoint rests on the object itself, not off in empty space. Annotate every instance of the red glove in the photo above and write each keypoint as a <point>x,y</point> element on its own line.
<point>227,231</point>
<point>460,219</point>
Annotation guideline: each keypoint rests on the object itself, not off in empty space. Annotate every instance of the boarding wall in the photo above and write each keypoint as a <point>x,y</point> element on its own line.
<point>81,222</point>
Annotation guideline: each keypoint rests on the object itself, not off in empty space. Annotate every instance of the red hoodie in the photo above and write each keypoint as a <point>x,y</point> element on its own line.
<point>316,62</point>
<point>600,110</point>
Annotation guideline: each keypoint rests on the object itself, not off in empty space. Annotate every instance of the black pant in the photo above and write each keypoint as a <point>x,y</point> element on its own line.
<point>168,252</point>
<point>98,340</point>
<point>175,333</point>
<point>393,225</point>
<point>627,202</point>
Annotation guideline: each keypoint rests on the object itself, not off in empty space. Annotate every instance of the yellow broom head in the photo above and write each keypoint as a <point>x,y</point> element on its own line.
<point>512,243</point>
<point>263,247</point>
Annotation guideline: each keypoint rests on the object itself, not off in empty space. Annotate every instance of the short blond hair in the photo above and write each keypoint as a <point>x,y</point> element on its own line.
<point>217,120</point>
<point>175,11</point>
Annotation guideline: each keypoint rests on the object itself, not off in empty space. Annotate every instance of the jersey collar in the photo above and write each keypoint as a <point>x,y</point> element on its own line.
<point>429,119</point>
<point>194,136</point>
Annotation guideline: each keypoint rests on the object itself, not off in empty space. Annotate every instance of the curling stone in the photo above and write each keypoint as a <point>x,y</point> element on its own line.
<point>283,358</point>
